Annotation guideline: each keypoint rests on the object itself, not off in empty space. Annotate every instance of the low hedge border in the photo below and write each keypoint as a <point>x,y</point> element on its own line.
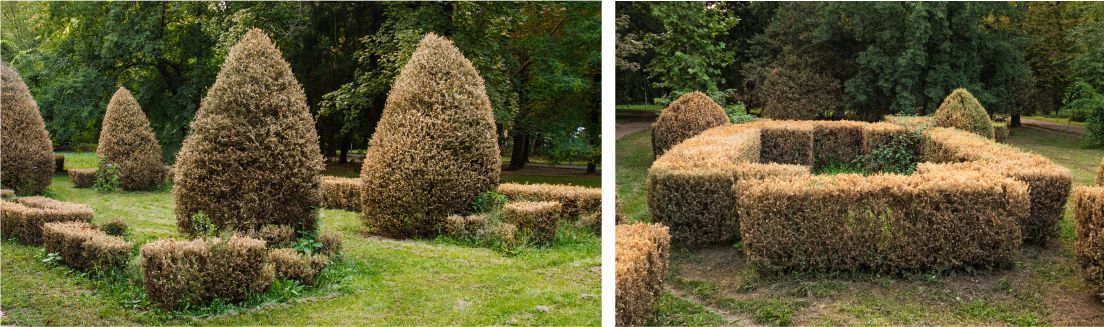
<point>537,219</point>
<point>198,271</point>
<point>24,217</point>
<point>642,257</point>
<point>341,193</point>
<point>82,177</point>
<point>304,268</point>
<point>1088,212</point>
<point>576,200</point>
<point>85,248</point>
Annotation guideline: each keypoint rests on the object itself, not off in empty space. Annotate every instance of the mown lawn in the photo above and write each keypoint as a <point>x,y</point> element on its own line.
<point>387,282</point>
<point>714,286</point>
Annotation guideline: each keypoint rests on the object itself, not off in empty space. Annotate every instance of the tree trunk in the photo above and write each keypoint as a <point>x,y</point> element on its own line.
<point>592,167</point>
<point>344,159</point>
<point>520,154</point>
<point>1015,121</point>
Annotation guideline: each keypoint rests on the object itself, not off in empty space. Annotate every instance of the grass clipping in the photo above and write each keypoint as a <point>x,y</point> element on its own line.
<point>435,149</point>
<point>26,152</point>
<point>252,157</point>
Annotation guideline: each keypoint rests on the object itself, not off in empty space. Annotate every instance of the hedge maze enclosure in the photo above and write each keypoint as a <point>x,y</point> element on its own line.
<point>970,202</point>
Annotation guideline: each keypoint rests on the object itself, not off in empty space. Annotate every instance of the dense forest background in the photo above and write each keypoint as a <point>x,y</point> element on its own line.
<point>864,60</point>
<point>540,61</point>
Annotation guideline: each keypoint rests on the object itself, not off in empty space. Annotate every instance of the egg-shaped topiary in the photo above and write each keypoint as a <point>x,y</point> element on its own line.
<point>26,152</point>
<point>252,157</point>
<point>689,115</point>
<point>435,149</point>
<point>127,142</point>
<point>963,111</point>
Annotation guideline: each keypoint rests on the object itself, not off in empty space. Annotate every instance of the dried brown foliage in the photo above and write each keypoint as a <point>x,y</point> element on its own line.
<point>252,156</point>
<point>85,248</point>
<point>882,222</point>
<point>341,193</point>
<point>435,149</point>
<point>962,110</point>
<point>26,152</point>
<point>912,123</point>
<point>539,220</point>
<point>837,140</point>
<point>82,177</point>
<point>576,200</point>
<point>1100,174</point>
<point>689,115</point>
<point>7,194</point>
<point>24,218</point>
<point>127,141</point>
<point>466,227</point>
<point>1088,212</point>
<point>331,243</point>
<point>304,268</point>
<point>787,143</point>
<point>642,254</point>
<point>198,271</point>
<point>1000,132</point>
<point>276,236</point>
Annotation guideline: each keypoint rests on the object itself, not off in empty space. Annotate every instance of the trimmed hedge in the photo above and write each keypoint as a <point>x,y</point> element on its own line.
<point>127,142</point>
<point>883,222</point>
<point>59,163</point>
<point>961,110</point>
<point>85,248</point>
<point>252,156</point>
<point>82,177</point>
<point>642,257</point>
<point>435,149</point>
<point>1088,212</point>
<point>838,141</point>
<point>788,143</point>
<point>341,193</point>
<point>304,268</point>
<point>26,152</point>
<point>24,218</point>
<point>880,135</point>
<point>331,243</point>
<point>276,235</point>
<point>466,227</point>
<point>685,117</point>
<point>912,123</point>
<point>576,200</point>
<point>538,219</point>
<point>198,271</point>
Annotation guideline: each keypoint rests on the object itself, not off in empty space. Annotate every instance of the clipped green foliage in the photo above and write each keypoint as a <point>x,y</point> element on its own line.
<point>26,152</point>
<point>127,142</point>
<point>962,110</point>
<point>690,115</point>
<point>252,157</point>
<point>435,149</point>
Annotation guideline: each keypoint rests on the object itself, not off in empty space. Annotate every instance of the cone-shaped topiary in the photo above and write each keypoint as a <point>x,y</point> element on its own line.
<point>435,149</point>
<point>252,157</point>
<point>689,115</point>
<point>963,111</point>
<point>127,141</point>
<point>26,152</point>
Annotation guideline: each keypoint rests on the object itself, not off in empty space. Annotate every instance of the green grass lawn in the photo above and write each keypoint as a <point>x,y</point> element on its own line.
<point>390,282</point>
<point>714,286</point>
<point>639,107</point>
<point>1057,119</point>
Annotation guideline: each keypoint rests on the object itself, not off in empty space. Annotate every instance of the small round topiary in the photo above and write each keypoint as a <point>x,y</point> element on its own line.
<point>127,141</point>
<point>963,111</point>
<point>689,115</point>
<point>252,157</point>
<point>26,152</point>
<point>435,149</point>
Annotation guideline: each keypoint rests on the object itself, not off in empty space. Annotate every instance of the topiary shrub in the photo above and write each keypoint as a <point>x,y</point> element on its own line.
<point>198,271</point>
<point>26,152</point>
<point>435,149</point>
<point>82,177</point>
<point>963,111</point>
<point>690,115</point>
<point>304,268</point>
<point>252,157</point>
<point>127,143</point>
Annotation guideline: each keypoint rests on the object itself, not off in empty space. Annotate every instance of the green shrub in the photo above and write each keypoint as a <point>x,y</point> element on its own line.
<point>107,177</point>
<point>962,110</point>
<point>896,155</point>
<point>196,272</point>
<point>116,227</point>
<point>435,148</point>
<point>26,152</point>
<point>488,201</point>
<point>737,114</point>
<point>127,143</point>
<point>796,91</point>
<point>252,156</point>
<point>691,114</point>
<point>642,254</point>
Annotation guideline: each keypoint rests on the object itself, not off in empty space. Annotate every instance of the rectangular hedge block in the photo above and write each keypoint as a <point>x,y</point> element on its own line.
<point>538,219</point>
<point>24,218</point>
<point>642,257</point>
<point>341,193</point>
<point>199,271</point>
<point>85,248</point>
<point>839,141</point>
<point>576,200</point>
<point>83,177</point>
<point>1088,212</point>
<point>304,268</point>
<point>882,223</point>
<point>787,143</point>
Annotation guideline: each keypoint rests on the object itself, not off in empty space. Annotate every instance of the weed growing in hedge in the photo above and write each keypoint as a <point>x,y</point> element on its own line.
<point>107,178</point>
<point>202,225</point>
<point>116,227</point>
<point>488,201</point>
<point>898,156</point>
